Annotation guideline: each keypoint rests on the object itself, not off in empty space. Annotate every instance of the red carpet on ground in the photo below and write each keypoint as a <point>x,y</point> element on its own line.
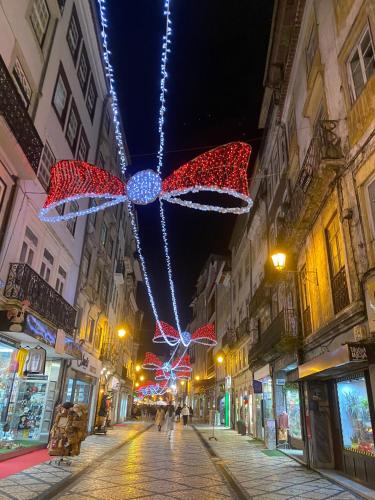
<point>18,464</point>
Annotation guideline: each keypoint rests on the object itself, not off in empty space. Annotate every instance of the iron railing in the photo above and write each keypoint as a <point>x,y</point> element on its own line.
<point>340,292</point>
<point>25,284</point>
<point>325,145</point>
<point>18,119</point>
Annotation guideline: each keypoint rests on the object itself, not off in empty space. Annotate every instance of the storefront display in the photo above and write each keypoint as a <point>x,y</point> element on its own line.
<point>355,418</point>
<point>293,410</point>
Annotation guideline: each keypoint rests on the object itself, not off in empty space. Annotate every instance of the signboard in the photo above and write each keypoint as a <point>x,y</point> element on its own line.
<point>357,352</point>
<point>88,364</point>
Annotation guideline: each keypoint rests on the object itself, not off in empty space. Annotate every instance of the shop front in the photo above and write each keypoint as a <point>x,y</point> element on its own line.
<point>82,384</point>
<point>265,425</point>
<point>340,411</point>
<point>31,361</point>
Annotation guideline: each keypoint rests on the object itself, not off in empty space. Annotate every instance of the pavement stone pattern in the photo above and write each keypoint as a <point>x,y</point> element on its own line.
<point>153,467</point>
<point>268,477</point>
<point>36,480</point>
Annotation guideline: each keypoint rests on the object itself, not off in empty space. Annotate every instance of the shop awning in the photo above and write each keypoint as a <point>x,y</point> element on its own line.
<point>331,363</point>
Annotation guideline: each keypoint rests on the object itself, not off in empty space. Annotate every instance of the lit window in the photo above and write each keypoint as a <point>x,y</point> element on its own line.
<point>39,19</point>
<point>74,34</point>
<point>361,64</point>
<point>61,95</point>
<point>46,161</point>
<point>22,83</point>
<point>91,98</point>
<point>72,128</point>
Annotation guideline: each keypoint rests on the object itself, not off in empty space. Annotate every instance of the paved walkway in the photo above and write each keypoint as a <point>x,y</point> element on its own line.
<point>269,477</point>
<point>41,479</point>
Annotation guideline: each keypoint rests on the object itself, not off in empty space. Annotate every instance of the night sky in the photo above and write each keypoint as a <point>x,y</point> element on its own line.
<point>215,89</point>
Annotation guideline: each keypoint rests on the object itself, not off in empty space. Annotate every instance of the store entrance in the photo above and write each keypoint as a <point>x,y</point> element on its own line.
<point>354,438</point>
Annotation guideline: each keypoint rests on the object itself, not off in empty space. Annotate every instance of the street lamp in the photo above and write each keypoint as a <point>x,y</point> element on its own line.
<point>182,382</point>
<point>141,378</point>
<point>197,378</point>
<point>121,332</point>
<point>137,368</point>
<point>279,260</point>
<point>137,384</point>
<point>219,360</point>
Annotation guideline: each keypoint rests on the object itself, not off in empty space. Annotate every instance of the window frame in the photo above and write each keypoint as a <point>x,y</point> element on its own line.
<point>61,74</point>
<point>72,223</point>
<point>42,167</point>
<point>17,79</point>
<point>357,48</point>
<point>74,52</point>
<point>40,41</point>
<point>309,56</point>
<point>84,57</point>
<point>82,139</point>
<point>73,109</point>
<point>91,85</point>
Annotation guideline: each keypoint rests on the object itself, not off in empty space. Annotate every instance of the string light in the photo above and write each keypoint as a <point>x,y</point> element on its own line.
<point>204,335</point>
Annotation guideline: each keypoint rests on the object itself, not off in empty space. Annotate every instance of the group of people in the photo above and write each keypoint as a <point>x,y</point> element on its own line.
<point>168,417</point>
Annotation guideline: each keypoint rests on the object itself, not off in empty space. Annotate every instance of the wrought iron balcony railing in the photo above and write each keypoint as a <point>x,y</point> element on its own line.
<point>23,283</point>
<point>340,291</point>
<point>280,336</point>
<point>18,119</point>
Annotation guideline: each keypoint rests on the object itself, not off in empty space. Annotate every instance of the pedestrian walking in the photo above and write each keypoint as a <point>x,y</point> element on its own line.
<point>191,414</point>
<point>169,421</point>
<point>178,413</point>
<point>185,412</point>
<point>159,418</point>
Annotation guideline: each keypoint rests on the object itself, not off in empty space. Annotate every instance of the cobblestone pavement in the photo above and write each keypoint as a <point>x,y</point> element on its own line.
<point>269,477</point>
<point>153,467</point>
<point>37,480</point>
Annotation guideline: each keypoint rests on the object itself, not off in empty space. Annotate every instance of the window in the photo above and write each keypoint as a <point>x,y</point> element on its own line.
<point>110,247</point>
<point>100,161</point>
<point>47,265</point>
<point>337,266</point>
<point>90,330</point>
<point>29,247</point>
<point>311,49</point>
<point>105,290</point>
<point>83,69</point>
<point>22,83</point>
<point>39,19</point>
<point>74,34</point>
<point>107,121</point>
<point>60,280</point>
<point>46,161</point>
<point>291,125</point>
<point>72,128</point>
<point>305,302</point>
<point>98,337</point>
<point>71,223</point>
<point>91,98</point>
<point>97,278</point>
<point>103,234</point>
<point>361,64</point>
<point>86,261</point>
<point>355,416</point>
<point>61,94</point>
<point>83,147</point>
<point>61,5</point>
<point>92,216</point>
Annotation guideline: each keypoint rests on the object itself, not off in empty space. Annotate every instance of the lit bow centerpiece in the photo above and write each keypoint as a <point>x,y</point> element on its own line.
<point>166,333</point>
<point>178,368</point>
<point>150,388</point>
<point>221,170</point>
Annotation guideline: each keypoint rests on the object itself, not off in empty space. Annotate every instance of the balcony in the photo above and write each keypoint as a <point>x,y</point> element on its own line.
<point>323,159</point>
<point>280,337</point>
<point>23,283</point>
<point>18,119</point>
<point>340,291</point>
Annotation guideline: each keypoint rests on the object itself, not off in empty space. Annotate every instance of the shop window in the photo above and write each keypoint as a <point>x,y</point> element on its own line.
<point>47,265</point>
<point>29,247</point>
<point>60,280</point>
<point>39,18</point>
<point>61,94</point>
<point>46,161</point>
<point>83,69</point>
<point>74,34</point>
<point>83,147</point>
<point>22,83</point>
<point>73,126</point>
<point>356,424</point>
<point>361,64</point>
<point>71,223</point>
<point>339,286</point>
<point>293,410</point>
<point>91,98</point>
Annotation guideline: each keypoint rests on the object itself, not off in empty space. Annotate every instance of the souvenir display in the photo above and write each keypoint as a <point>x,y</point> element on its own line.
<point>68,431</point>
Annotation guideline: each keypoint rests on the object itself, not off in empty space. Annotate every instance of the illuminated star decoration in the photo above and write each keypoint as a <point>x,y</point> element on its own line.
<point>204,335</point>
<point>221,170</point>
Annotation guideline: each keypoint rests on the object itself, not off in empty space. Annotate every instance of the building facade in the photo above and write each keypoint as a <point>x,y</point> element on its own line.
<point>53,105</point>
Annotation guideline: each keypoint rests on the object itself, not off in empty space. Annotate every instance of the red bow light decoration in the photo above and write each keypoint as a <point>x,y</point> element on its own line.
<point>204,335</point>
<point>180,364</point>
<point>222,170</point>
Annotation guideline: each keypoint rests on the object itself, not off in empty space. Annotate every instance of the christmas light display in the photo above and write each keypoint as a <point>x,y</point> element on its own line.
<point>222,170</point>
<point>204,335</point>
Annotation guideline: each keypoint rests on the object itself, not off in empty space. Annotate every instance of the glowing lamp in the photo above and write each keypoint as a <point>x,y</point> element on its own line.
<point>197,377</point>
<point>138,368</point>
<point>121,332</point>
<point>182,382</point>
<point>137,384</point>
<point>220,359</point>
<point>279,260</point>
<point>141,378</point>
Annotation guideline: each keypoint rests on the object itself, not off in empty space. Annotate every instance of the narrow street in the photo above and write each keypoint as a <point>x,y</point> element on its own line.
<point>136,461</point>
